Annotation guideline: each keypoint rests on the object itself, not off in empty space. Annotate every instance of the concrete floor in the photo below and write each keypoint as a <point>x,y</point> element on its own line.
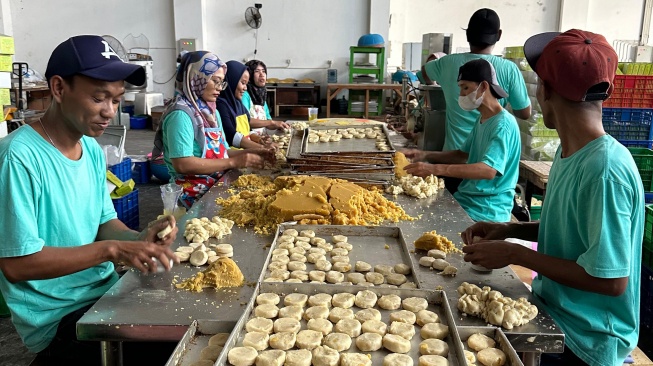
<point>139,142</point>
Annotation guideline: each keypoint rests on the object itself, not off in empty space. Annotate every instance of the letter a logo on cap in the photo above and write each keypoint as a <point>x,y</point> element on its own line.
<point>108,52</point>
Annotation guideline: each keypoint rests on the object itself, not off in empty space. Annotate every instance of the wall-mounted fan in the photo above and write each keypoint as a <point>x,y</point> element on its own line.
<point>117,47</point>
<point>253,16</point>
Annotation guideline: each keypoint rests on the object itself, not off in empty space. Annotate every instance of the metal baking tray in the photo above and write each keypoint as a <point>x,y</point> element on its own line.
<point>368,245</point>
<point>294,154</point>
<point>495,333</point>
<point>346,146</point>
<point>342,168</point>
<point>437,303</point>
<point>195,339</point>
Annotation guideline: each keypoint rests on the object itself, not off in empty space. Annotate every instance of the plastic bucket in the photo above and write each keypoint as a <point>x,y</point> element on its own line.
<point>138,122</point>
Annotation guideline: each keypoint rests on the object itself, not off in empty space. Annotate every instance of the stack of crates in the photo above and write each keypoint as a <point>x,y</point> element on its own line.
<point>6,69</point>
<point>126,206</point>
<point>630,126</point>
<point>646,294</point>
<point>631,91</point>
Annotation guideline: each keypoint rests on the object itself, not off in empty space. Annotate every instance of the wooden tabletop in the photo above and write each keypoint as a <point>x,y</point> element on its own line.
<point>537,172</point>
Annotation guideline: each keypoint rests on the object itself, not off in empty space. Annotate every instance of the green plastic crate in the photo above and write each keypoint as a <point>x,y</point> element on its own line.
<point>536,211</point>
<point>644,161</point>
<point>647,246</point>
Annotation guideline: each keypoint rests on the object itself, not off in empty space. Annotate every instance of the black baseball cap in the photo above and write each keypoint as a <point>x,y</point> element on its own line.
<point>481,70</point>
<point>92,56</point>
<point>483,27</point>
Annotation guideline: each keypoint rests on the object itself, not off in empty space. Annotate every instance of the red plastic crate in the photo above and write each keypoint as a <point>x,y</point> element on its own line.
<point>127,209</point>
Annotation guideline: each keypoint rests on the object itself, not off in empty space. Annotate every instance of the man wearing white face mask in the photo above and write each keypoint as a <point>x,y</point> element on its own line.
<point>488,161</point>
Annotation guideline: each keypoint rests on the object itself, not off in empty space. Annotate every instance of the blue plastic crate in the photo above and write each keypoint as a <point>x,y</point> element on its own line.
<point>122,170</point>
<point>141,173</point>
<point>127,209</point>
<point>637,143</point>
<point>628,123</point>
<point>646,299</point>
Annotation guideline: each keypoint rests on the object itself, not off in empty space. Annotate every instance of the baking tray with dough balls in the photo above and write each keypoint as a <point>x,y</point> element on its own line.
<point>485,346</point>
<point>339,254</point>
<point>339,322</point>
<point>201,344</point>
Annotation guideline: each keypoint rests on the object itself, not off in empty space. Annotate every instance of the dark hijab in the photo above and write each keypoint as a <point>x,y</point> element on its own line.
<point>258,93</point>
<point>228,105</point>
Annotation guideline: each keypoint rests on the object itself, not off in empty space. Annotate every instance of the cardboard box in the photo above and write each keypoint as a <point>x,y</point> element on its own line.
<point>6,62</point>
<point>5,97</point>
<point>7,45</point>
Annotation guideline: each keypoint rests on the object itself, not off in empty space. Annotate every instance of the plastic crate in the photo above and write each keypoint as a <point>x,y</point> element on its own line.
<point>646,298</point>
<point>122,170</point>
<point>141,173</point>
<point>644,160</point>
<point>645,144</point>
<point>127,209</point>
<point>628,123</point>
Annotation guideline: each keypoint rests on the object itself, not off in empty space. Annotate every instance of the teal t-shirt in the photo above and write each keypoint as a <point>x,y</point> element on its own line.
<point>50,200</point>
<point>247,102</point>
<point>178,139</point>
<point>495,142</point>
<point>460,122</point>
<point>593,214</point>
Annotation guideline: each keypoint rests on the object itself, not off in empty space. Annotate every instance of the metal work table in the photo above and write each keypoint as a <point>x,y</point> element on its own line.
<point>150,308</point>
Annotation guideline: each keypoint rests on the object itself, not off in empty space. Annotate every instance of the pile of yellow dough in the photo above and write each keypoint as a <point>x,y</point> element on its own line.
<point>309,200</point>
<point>432,240</point>
<point>222,273</point>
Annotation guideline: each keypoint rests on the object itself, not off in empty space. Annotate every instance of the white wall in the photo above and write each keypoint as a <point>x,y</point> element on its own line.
<point>622,21</point>
<point>40,25</point>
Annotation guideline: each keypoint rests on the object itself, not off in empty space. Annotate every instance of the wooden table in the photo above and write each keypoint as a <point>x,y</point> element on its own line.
<point>536,174</point>
<point>337,88</point>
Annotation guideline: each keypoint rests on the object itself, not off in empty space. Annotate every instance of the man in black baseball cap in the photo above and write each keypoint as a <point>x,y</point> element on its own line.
<point>484,28</point>
<point>61,232</point>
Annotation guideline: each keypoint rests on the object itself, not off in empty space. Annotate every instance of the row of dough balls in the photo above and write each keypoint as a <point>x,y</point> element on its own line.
<point>200,230</point>
<point>199,254</point>
<point>295,249</point>
<point>485,351</point>
<point>210,353</point>
<point>331,325</point>
<point>436,259</point>
<point>335,135</point>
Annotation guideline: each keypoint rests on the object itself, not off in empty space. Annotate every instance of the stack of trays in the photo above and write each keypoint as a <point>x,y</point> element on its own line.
<point>356,159</point>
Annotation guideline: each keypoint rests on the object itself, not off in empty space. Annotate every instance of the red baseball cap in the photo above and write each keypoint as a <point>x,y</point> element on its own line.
<point>578,65</point>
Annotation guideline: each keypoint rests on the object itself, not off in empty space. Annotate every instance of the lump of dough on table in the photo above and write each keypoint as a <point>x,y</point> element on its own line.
<point>478,342</point>
<point>337,314</point>
<point>402,268</point>
<point>415,304</point>
<point>361,266</point>
<point>395,343</point>
<point>334,277</point>
<point>375,278</point>
<point>308,339</point>
<point>293,311</point>
<point>397,359</point>
<point>402,329</point>
<point>273,357</point>
<point>374,326</point>
<point>316,312</point>
<point>262,325</point>
<point>365,299</point>
<point>426,261</point>
<point>283,341</point>
<point>389,302</point>
<point>367,314</point>
<point>242,356</point>
<point>356,278</point>
<point>403,316</point>
<point>434,330</point>
<point>396,279</point>
<point>323,265</point>
<point>434,347</point>
<point>491,357</point>
<point>339,238</point>
<point>256,340</point>
<point>323,326</point>
<point>427,316</point>
<point>268,311</point>
<point>343,300</point>
<point>355,359</point>
<point>350,327</point>
<point>210,353</point>
<point>320,300</point>
<point>440,264</point>
<point>267,298</point>
<point>433,360</point>
<point>219,339</point>
<point>437,254</point>
<point>325,356</point>
<point>317,276</point>
<point>338,341</point>
<point>298,357</point>
<point>287,325</point>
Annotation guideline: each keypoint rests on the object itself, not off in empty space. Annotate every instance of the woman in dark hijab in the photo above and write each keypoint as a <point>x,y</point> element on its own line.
<point>255,99</point>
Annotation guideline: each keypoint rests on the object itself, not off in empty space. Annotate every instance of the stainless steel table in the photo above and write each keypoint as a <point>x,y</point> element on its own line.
<point>149,308</point>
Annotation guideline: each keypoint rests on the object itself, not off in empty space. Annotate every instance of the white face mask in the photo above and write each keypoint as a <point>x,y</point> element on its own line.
<point>468,102</point>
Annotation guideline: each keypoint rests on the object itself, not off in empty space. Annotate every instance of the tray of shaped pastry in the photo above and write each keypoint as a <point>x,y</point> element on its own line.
<point>201,344</point>
<point>339,254</point>
<point>359,139</point>
<point>304,324</point>
<point>487,346</point>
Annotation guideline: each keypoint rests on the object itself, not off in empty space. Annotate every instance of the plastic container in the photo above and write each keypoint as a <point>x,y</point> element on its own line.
<point>128,109</point>
<point>141,172</point>
<point>123,170</point>
<point>645,144</point>
<point>127,209</point>
<point>628,123</point>
<point>644,160</point>
<point>536,211</point>
<point>138,122</point>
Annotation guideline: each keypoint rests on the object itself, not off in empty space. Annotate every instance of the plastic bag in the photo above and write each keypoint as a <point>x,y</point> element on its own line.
<point>111,154</point>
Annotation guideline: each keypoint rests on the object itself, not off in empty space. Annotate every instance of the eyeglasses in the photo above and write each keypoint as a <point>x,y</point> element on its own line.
<point>221,85</point>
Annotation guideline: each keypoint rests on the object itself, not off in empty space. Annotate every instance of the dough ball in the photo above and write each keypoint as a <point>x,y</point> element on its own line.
<point>280,258</point>
<point>316,241</point>
<point>296,266</point>
<point>308,339</point>
<point>344,245</point>
<point>317,250</point>
<point>242,356</point>
<point>267,298</point>
<point>302,239</point>
<point>339,258</point>
<point>415,304</point>
<point>403,316</point>
<point>268,311</point>
<point>325,356</point>
<point>262,325</point>
<point>326,246</point>
<point>316,312</point>
<point>256,340</point>
<point>339,251</point>
<point>198,258</point>
<point>427,316</point>
<point>426,261</point>
<point>317,276</point>
<point>307,233</point>
<point>394,279</point>
<point>273,357</point>
<point>362,266</point>
<point>323,265</point>
<point>350,327</point>
<point>365,299</point>
<point>339,238</point>
<point>338,314</point>
<point>402,268</point>
<point>283,341</point>
<point>291,232</point>
<point>286,238</point>
<point>295,299</point>
<point>183,257</point>
<point>219,339</point>
<point>470,357</point>
<point>397,359</point>
<point>323,326</point>
<point>298,357</point>
<point>296,250</point>
<point>277,266</point>
<point>439,264</point>
<point>341,266</point>
<point>402,329</point>
<point>299,274</point>
<point>281,274</point>
<point>320,300</point>
<point>355,359</point>
<point>280,252</point>
<point>433,360</point>
<point>478,342</point>
<point>367,314</point>
<point>491,357</point>
<point>395,343</point>
<point>374,326</point>
<point>434,347</point>
<point>338,341</point>
<point>315,257</point>
<point>296,257</point>
<point>408,284</point>
<point>384,269</point>
<point>210,353</point>
<point>434,330</point>
<point>389,302</point>
<point>286,245</point>
<point>287,325</point>
<point>343,300</point>
<point>303,244</point>
<point>356,278</point>
<point>294,312</point>
<point>437,254</point>
<point>375,278</point>
<point>334,277</point>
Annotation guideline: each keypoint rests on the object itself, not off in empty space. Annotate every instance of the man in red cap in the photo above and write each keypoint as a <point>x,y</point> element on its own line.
<point>590,232</point>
